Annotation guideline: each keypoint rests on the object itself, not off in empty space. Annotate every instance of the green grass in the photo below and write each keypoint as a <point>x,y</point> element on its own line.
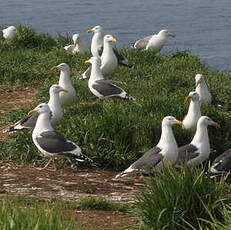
<point>18,214</point>
<point>23,213</point>
<point>118,132</point>
<point>182,200</point>
<point>101,203</point>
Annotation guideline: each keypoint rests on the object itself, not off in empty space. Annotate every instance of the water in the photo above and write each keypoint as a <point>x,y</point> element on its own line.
<point>203,27</point>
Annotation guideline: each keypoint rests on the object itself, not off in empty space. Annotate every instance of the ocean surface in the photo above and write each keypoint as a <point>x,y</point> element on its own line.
<point>201,26</point>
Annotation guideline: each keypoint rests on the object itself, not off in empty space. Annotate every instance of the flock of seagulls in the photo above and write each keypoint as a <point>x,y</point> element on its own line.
<point>105,58</point>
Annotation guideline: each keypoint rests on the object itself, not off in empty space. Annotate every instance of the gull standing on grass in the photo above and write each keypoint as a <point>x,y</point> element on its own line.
<point>101,87</point>
<point>66,99</point>
<point>29,122</point>
<point>77,47</point>
<point>153,42</point>
<point>203,91</point>
<point>8,33</point>
<point>194,112</point>
<point>165,152</point>
<point>199,149</point>
<point>50,142</point>
<point>101,47</point>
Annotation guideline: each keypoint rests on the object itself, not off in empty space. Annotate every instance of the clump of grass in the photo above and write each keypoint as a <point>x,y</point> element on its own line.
<point>16,215</point>
<point>100,203</point>
<point>181,200</point>
<point>28,38</point>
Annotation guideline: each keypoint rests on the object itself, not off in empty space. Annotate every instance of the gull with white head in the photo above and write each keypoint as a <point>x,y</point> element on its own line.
<point>153,42</point>
<point>101,46</point>
<point>51,143</point>
<point>164,153</point>
<point>101,87</point>
<point>8,33</point>
<point>194,112</point>
<point>29,122</point>
<point>77,47</point>
<point>199,149</point>
<point>66,99</point>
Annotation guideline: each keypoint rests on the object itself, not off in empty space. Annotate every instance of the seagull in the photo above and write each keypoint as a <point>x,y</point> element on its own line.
<point>110,57</point>
<point>66,99</point>
<point>204,94</point>
<point>222,164</point>
<point>153,42</point>
<point>199,149</point>
<point>101,87</point>
<point>202,89</point>
<point>97,41</point>
<point>8,33</point>
<point>54,105</point>
<point>50,142</point>
<point>165,152</point>
<point>77,47</point>
<point>194,112</point>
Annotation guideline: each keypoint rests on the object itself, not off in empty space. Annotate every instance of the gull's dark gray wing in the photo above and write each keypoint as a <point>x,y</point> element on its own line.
<point>186,153</point>
<point>106,88</point>
<point>142,43</point>
<point>223,162</point>
<point>54,142</point>
<point>149,160</point>
<point>121,59</point>
<point>100,50</point>
<point>28,122</point>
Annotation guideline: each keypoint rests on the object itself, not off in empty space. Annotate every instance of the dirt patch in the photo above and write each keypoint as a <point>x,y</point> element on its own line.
<point>72,185</point>
<point>66,184</point>
<point>104,220</point>
<point>16,97</point>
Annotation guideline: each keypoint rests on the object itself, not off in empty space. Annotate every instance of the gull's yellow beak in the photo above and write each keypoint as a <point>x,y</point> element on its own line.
<point>31,112</point>
<point>54,68</point>
<point>89,31</point>
<point>216,125</point>
<point>87,62</point>
<point>179,122</point>
<point>75,44</point>
<point>197,83</point>
<point>172,35</point>
<point>65,90</point>
<point>114,40</point>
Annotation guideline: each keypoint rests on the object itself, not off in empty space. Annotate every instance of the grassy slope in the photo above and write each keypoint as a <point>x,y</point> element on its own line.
<point>118,132</point>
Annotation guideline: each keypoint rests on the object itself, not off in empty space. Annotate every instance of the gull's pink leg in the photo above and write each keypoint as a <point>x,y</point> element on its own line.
<point>45,167</point>
<point>48,163</point>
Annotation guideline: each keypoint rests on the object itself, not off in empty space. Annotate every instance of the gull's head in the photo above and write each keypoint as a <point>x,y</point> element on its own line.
<point>75,38</point>
<point>41,108</point>
<point>194,96</point>
<point>109,38</point>
<point>170,121</point>
<point>205,121</point>
<point>199,78</point>
<point>96,29</point>
<point>94,60</point>
<point>62,66</point>
<point>165,33</point>
<point>55,89</point>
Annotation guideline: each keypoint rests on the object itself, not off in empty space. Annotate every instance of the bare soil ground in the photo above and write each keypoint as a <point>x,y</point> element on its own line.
<point>72,185</point>
<point>65,184</point>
